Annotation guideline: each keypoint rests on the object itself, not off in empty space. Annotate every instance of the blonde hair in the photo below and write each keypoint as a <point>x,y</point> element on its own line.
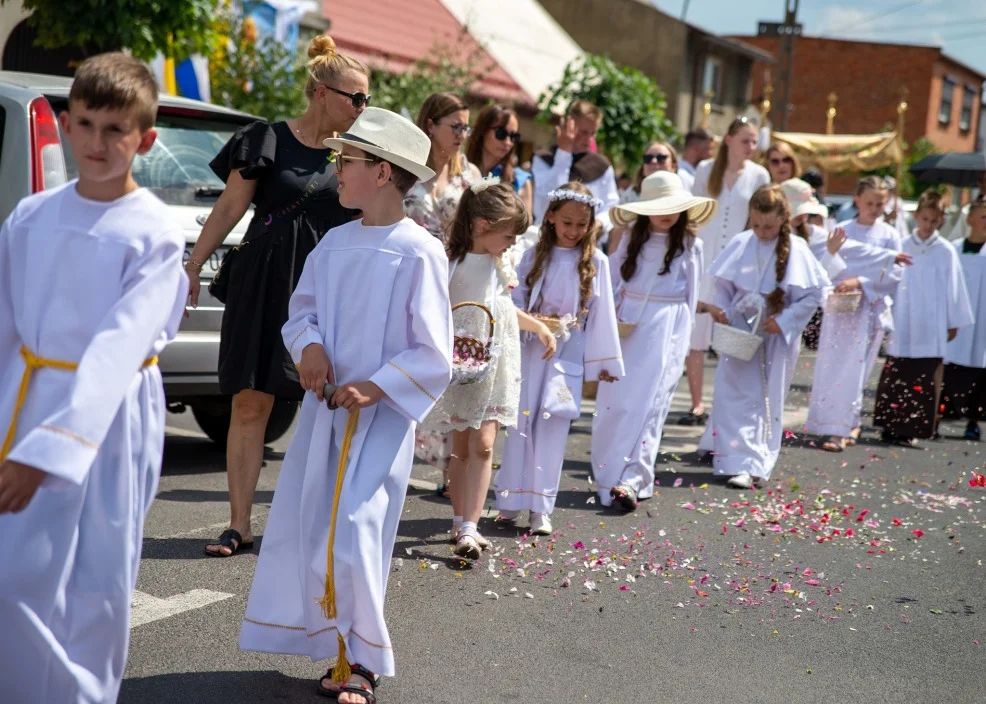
<point>785,149</point>
<point>435,107</point>
<point>583,108</point>
<point>326,65</point>
<point>870,183</point>
<point>722,157</point>
<point>932,200</point>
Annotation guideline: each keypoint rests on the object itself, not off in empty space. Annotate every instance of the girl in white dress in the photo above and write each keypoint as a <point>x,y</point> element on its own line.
<point>489,218</point>
<point>565,280</point>
<point>850,339</point>
<point>765,274</point>
<point>657,272</point>
<point>730,178</point>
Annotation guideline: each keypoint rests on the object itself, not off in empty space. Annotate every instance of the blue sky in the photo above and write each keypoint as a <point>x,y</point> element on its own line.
<point>958,26</point>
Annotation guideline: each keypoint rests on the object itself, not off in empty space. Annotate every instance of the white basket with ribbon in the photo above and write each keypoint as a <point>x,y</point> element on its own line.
<point>733,342</point>
<point>847,302</point>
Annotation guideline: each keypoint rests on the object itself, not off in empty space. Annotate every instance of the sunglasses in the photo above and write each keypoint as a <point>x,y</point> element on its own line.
<point>358,99</point>
<point>460,129</point>
<point>777,162</point>
<point>341,159</point>
<point>502,133</point>
<point>655,158</point>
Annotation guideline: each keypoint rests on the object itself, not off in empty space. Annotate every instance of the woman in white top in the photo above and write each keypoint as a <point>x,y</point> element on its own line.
<point>731,179</point>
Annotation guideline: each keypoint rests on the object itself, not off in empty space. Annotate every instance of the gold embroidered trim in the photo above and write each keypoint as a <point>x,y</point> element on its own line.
<point>413,381</point>
<point>369,643</point>
<point>275,625</point>
<point>298,336</point>
<point>604,359</point>
<point>70,434</point>
<point>316,633</point>
<point>535,493</point>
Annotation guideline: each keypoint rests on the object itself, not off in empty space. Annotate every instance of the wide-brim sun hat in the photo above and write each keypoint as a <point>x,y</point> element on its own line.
<point>389,136</point>
<point>802,198</point>
<point>662,193</point>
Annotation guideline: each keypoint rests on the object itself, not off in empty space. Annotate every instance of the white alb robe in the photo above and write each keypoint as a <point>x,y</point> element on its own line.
<point>747,420</point>
<point>99,284</point>
<point>969,346</point>
<point>533,454</point>
<point>931,298</point>
<point>548,178</point>
<point>630,413</point>
<point>729,220</point>
<point>850,341</point>
<point>377,299</point>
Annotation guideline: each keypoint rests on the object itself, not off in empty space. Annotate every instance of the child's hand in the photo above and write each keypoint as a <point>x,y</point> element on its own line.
<point>548,340</point>
<point>18,484</point>
<point>565,134</point>
<point>952,332</point>
<point>315,369</point>
<point>607,377</point>
<point>836,239</point>
<point>772,327</point>
<point>361,395</point>
<point>904,258</point>
<point>848,285</point>
<point>718,314</point>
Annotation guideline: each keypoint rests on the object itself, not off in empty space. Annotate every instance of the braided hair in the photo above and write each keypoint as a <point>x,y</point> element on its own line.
<point>770,200</point>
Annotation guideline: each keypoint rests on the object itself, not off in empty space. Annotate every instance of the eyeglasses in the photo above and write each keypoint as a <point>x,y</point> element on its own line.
<point>460,129</point>
<point>341,159</point>
<point>655,158</point>
<point>777,162</point>
<point>502,133</point>
<point>358,99</point>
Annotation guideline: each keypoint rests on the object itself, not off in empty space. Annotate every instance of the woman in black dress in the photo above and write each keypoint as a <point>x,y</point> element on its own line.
<point>284,170</point>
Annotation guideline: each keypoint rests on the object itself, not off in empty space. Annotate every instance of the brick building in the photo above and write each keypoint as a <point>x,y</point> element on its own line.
<point>944,96</point>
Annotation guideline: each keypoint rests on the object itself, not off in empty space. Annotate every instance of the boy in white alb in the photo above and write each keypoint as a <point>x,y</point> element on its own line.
<point>91,290</point>
<point>371,318</point>
<point>930,306</point>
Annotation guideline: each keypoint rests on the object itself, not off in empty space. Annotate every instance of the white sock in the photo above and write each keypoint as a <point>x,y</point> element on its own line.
<point>468,528</point>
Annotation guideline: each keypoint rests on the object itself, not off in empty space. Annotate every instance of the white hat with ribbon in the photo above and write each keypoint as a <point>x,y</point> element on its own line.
<point>802,198</point>
<point>391,137</point>
<point>662,193</point>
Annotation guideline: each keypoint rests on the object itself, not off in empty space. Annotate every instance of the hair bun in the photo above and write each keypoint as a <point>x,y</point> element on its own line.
<point>322,45</point>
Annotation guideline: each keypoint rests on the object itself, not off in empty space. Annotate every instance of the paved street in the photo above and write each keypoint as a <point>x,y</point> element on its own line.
<point>852,577</point>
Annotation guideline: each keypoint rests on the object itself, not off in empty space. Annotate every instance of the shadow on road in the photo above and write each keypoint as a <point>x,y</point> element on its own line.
<point>202,495</point>
<point>211,687</point>
<point>189,549</point>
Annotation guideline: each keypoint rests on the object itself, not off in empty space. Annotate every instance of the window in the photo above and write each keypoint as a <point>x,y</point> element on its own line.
<point>712,80</point>
<point>968,100</point>
<point>947,92</point>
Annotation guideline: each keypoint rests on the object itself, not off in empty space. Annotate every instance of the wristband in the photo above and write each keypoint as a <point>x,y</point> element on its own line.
<point>194,263</point>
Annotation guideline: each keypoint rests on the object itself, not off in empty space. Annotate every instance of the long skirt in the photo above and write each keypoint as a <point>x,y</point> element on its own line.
<point>908,396</point>
<point>964,394</point>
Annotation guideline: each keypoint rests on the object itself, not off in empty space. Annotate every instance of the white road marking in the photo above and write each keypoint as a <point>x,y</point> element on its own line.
<point>145,608</point>
<point>170,430</point>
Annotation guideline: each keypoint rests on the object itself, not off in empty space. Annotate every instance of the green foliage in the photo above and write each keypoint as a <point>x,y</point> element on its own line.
<point>634,107</point>
<point>909,188</point>
<point>258,76</point>
<point>145,27</point>
<point>447,69</point>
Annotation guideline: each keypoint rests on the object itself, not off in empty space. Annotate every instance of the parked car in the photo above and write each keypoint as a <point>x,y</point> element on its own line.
<point>34,156</point>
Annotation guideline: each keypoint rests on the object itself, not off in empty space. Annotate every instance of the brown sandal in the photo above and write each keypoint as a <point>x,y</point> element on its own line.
<point>834,444</point>
<point>367,692</point>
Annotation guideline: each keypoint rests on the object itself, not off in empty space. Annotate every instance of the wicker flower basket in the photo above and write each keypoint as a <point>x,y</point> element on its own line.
<point>472,359</point>
<point>844,302</point>
<point>733,342</point>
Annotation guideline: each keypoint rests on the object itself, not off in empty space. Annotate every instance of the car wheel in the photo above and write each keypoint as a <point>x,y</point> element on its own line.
<point>213,416</point>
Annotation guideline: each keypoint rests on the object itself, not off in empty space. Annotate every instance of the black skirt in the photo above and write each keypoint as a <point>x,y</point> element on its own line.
<point>965,392</point>
<point>907,396</point>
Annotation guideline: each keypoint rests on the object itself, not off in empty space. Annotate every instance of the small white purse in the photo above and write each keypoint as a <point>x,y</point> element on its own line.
<point>563,390</point>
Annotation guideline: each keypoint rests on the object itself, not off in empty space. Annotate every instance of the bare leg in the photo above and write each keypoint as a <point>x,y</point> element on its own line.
<point>477,479</point>
<point>695,368</point>
<point>457,468</point>
<point>244,458</point>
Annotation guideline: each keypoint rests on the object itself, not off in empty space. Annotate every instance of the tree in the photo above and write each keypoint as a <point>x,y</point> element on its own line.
<point>447,69</point>
<point>144,27</point>
<point>258,76</point>
<point>634,107</point>
<point>910,188</point>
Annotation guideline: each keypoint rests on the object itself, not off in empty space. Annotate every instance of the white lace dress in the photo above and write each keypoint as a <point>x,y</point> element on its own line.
<point>497,395</point>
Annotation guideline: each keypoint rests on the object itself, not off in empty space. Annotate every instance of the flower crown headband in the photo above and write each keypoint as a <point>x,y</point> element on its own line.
<point>567,194</point>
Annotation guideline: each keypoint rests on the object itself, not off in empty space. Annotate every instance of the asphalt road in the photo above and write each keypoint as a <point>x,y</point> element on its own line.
<point>852,577</point>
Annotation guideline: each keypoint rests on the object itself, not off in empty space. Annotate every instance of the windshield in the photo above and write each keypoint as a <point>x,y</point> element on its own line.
<point>178,164</point>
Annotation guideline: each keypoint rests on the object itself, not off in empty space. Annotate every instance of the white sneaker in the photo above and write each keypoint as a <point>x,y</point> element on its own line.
<point>466,546</point>
<point>507,516</point>
<point>741,481</point>
<point>481,540</point>
<point>541,524</point>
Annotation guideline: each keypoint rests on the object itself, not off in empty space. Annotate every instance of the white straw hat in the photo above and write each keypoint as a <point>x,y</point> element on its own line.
<point>802,198</point>
<point>391,137</point>
<point>662,193</point>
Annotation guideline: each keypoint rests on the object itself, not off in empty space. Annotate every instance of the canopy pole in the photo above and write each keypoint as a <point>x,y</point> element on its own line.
<point>901,109</point>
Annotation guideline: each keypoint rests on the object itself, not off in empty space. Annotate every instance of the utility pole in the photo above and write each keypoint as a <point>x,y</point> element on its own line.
<point>788,31</point>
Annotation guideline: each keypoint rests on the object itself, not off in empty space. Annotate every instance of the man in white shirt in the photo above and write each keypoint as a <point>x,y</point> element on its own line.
<point>571,160</point>
<point>698,147</point>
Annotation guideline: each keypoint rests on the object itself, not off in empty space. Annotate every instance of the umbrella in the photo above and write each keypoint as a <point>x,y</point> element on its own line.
<point>955,169</point>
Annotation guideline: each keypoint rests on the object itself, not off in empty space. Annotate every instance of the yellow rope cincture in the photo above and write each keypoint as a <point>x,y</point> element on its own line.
<point>33,362</point>
<point>341,672</point>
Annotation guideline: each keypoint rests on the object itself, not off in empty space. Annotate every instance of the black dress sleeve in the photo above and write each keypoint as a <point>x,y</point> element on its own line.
<point>251,150</point>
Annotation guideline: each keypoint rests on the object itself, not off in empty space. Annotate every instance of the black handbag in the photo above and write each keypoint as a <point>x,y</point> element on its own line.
<point>219,286</point>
